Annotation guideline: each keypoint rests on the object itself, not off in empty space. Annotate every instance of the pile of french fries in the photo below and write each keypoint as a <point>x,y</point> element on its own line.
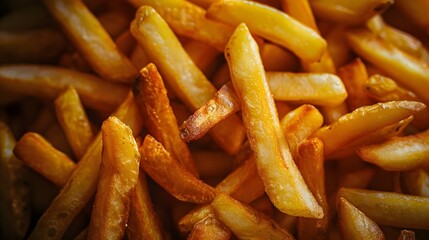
<point>214,119</point>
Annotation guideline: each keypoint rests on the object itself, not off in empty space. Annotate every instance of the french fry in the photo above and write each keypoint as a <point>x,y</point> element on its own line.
<point>92,40</point>
<point>42,157</point>
<point>354,224</point>
<point>73,120</point>
<point>365,120</point>
<point>209,228</point>
<point>180,72</point>
<point>203,55</point>
<point>47,82</point>
<point>114,21</point>
<point>407,235</point>
<point>338,48</point>
<point>14,199</point>
<point>82,184</point>
<point>245,222</point>
<point>391,209</point>
<point>416,182</point>
<point>158,163</point>
<point>151,95</point>
<point>282,180</point>
<point>125,42</point>
<point>398,154</point>
<point>118,178</point>
<point>310,46</point>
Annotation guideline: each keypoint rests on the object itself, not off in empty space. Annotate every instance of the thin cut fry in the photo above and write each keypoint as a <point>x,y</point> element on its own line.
<point>283,182</point>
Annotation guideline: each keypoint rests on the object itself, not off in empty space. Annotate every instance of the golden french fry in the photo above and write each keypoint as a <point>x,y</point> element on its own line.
<point>416,182</point>
<point>399,153</point>
<point>365,120</point>
<point>209,228</point>
<point>48,82</point>
<point>118,178</point>
<point>14,199</point>
<point>285,31</point>
<point>92,40</point>
<point>73,120</point>
<point>331,114</point>
<point>246,222</point>
<point>354,224</point>
<point>159,164</point>
<point>283,182</point>
<point>151,95</point>
<point>180,72</point>
<point>338,48</point>
<point>37,153</point>
<point>390,209</point>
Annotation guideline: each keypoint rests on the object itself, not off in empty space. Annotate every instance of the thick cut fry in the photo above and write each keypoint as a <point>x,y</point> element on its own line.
<point>143,222</point>
<point>82,184</point>
<point>363,121</point>
<point>48,82</point>
<point>73,120</point>
<point>390,209</point>
<point>354,224</point>
<point>399,153</point>
<point>93,42</point>
<point>283,30</point>
<point>416,182</point>
<point>407,70</point>
<point>159,164</point>
<point>151,95</point>
<point>283,182</point>
<point>209,228</point>
<point>118,178</point>
<point>245,222</point>
<point>188,82</point>
<point>14,199</point>
<point>42,157</point>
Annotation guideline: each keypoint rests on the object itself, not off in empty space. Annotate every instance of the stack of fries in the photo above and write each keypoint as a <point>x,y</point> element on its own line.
<point>214,119</point>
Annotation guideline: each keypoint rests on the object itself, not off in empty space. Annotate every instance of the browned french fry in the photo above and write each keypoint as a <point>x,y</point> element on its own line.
<point>118,178</point>
<point>282,180</point>
<point>43,158</point>
<point>93,42</point>
<point>209,228</point>
<point>151,95</point>
<point>416,182</point>
<point>48,82</point>
<point>407,235</point>
<point>73,120</point>
<point>356,225</point>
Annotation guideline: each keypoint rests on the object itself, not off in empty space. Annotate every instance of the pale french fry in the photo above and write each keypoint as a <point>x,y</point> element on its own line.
<point>188,19</point>
<point>47,82</point>
<point>246,222</point>
<point>399,153</point>
<point>42,157</point>
<point>151,95</point>
<point>82,184</point>
<point>354,224</point>
<point>276,58</point>
<point>285,31</point>
<point>73,120</point>
<point>365,120</point>
<point>159,164</point>
<point>209,228</point>
<point>416,182</point>
<point>391,209</point>
<point>14,192</point>
<point>416,11</point>
<point>180,73</point>
<point>282,180</point>
<point>212,164</point>
<point>92,40</point>
<point>118,178</point>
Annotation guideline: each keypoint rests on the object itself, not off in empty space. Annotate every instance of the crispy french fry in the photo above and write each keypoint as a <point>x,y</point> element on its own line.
<point>246,222</point>
<point>363,121</point>
<point>151,95</point>
<point>82,184</point>
<point>92,40</point>
<point>282,180</point>
<point>285,30</point>
<point>73,120</point>
<point>416,182</point>
<point>180,72</point>
<point>399,153</point>
<point>391,209</point>
<point>209,228</point>
<point>354,224</point>
<point>159,164</point>
<point>48,82</point>
<point>118,178</point>
<point>14,199</point>
<point>37,153</point>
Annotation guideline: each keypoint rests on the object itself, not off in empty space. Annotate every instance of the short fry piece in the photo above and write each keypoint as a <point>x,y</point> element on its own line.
<point>159,164</point>
<point>209,228</point>
<point>283,182</point>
